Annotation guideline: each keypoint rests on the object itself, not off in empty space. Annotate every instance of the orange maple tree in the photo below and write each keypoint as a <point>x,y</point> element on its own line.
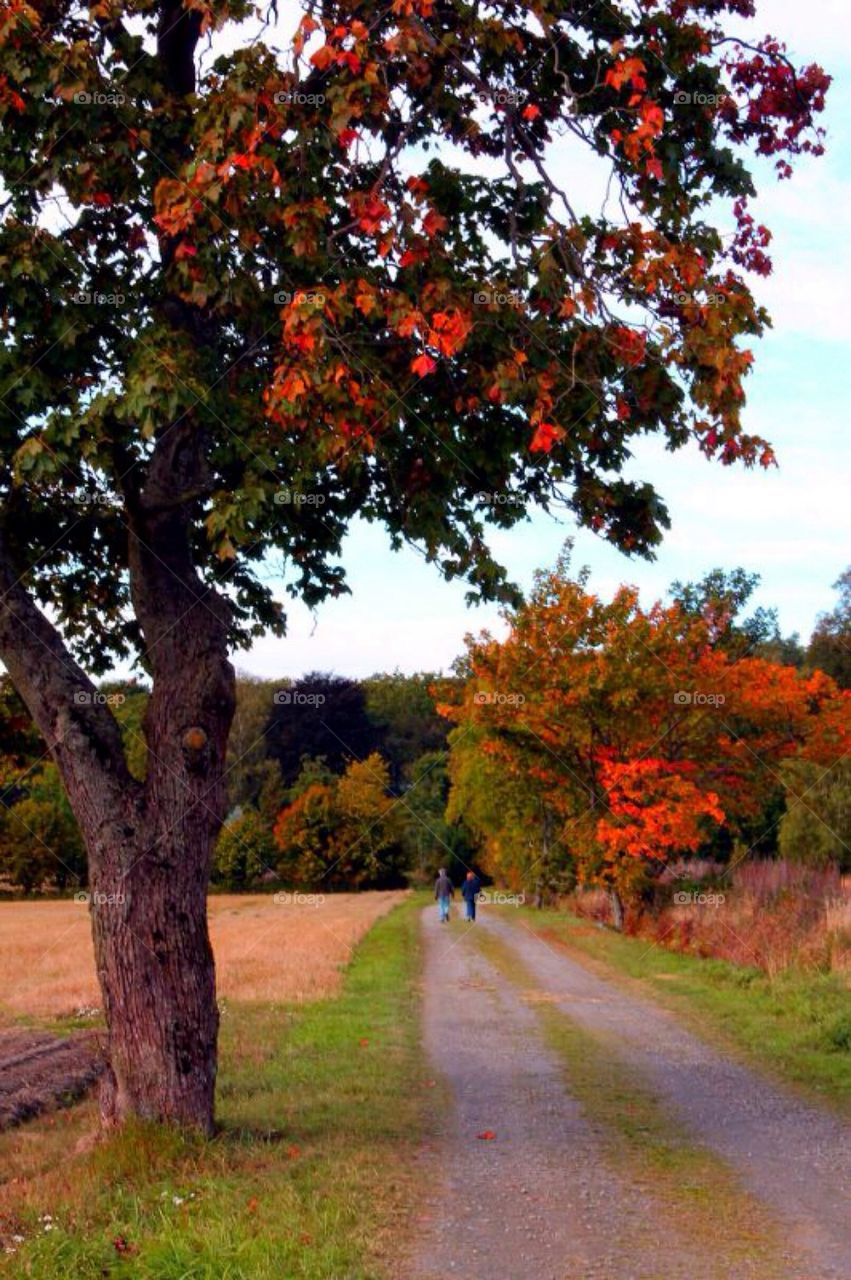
<point>637,727</point>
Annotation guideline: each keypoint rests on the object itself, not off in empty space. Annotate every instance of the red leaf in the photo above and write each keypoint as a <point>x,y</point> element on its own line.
<point>545,437</point>
<point>433,222</point>
<point>487,1135</point>
<point>423,365</point>
<point>531,112</point>
<point>103,198</point>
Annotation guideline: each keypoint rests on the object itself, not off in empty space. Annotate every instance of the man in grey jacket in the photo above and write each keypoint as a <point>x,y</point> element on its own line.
<point>444,893</point>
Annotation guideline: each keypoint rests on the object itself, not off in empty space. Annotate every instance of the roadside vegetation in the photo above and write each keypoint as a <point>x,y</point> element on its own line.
<point>321,1105</point>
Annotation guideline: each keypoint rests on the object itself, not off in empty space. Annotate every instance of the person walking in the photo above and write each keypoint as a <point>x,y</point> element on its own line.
<point>444,893</point>
<point>470,890</point>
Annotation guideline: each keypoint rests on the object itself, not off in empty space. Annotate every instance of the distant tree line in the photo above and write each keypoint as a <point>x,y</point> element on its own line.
<point>342,783</point>
<point>332,782</point>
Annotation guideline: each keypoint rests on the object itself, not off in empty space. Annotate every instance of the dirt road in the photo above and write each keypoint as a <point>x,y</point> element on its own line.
<point>521,1182</point>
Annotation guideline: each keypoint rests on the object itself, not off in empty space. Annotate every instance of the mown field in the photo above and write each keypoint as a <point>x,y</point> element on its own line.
<point>267,947</point>
<point>320,1106</point>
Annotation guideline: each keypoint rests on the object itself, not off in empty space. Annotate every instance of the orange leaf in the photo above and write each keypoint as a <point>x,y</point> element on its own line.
<point>545,437</point>
<point>487,1135</point>
<point>423,365</point>
<point>434,222</point>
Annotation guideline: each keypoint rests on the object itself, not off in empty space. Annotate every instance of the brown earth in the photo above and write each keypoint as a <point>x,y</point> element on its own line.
<point>40,1071</point>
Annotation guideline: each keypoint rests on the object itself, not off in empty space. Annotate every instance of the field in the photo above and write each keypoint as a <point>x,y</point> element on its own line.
<point>268,948</point>
<point>320,1109</point>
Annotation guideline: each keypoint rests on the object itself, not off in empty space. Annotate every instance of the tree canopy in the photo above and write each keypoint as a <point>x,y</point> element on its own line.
<point>279,289</point>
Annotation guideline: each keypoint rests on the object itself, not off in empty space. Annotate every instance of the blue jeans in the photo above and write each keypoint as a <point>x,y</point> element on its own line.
<point>471,908</point>
<point>443,906</point>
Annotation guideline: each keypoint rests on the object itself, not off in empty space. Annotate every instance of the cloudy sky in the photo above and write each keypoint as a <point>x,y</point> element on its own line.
<point>791,525</point>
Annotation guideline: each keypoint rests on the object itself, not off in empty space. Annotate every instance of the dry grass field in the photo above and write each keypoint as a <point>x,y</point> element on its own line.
<point>267,948</point>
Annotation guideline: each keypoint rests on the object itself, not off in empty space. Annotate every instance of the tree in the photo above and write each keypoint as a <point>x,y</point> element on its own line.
<point>403,712</point>
<point>830,646</point>
<point>426,834</point>
<point>248,765</point>
<point>816,827</point>
<point>342,833</point>
<point>40,842</point>
<point>640,729</point>
<point>244,304</point>
<point>321,716</point>
<point>244,850</point>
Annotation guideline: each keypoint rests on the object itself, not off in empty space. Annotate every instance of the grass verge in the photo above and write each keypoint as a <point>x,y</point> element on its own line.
<point>693,1190</point>
<point>320,1107</point>
<point>797,1026</point>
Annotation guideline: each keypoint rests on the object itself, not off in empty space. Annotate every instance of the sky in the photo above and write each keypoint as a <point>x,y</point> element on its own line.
<point>791,525</point>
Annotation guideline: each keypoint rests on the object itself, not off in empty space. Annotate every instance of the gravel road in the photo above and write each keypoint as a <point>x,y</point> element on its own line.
<point>538,1201</point>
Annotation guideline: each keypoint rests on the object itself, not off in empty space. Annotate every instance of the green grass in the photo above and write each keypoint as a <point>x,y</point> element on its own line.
<point>691,1188</point>
<point>320,1107</point>
<point>796,1025</point>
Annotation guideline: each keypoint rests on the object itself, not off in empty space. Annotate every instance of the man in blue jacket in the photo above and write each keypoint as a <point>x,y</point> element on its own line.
<point>469,892</point>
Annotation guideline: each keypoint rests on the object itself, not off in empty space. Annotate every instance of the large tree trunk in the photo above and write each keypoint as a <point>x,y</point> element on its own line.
<point>149,844</point>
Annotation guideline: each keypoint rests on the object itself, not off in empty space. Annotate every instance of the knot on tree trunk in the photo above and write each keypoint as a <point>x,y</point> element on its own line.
<point>196,743</point>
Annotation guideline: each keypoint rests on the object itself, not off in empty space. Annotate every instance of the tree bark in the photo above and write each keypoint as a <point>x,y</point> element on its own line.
<point>617,910</point>
<point>149,844</point>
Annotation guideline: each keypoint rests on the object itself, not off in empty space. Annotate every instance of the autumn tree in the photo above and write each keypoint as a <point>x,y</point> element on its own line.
<point>250,296</point>
<point>342,832</point>
<point>830,645</point>
<point>640,729</point>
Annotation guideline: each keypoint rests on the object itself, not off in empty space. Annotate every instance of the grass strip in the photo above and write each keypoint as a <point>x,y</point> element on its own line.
<point>309,1178</point>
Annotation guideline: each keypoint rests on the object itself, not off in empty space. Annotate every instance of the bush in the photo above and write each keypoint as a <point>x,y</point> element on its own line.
<point>244,851</point>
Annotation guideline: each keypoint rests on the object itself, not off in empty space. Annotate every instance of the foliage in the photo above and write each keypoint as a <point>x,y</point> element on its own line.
<point>342,833</point>
<point>40,842</point>
<point>428,837</point>
<point>247,760</point>
<point>244,851</point>
<point>830,646</point>
<point>402,709</point>
<point>320,716</point>
<point>816,827</point>
<point>348,274</point>
<point>640,729</point>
